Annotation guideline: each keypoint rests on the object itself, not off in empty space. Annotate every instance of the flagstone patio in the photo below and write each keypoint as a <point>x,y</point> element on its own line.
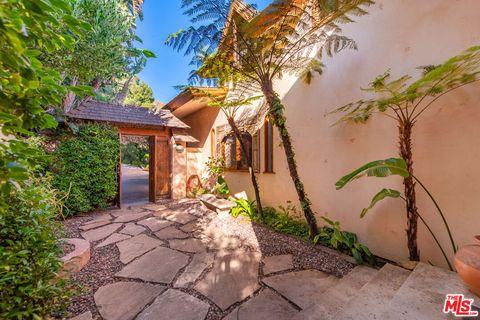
<point>182,261</point>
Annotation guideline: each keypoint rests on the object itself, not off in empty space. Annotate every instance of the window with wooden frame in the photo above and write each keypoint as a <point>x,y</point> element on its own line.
<point>268,145</point>
<point>229,148</point>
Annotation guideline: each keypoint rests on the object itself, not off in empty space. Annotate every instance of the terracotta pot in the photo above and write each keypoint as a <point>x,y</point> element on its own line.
<point>467,263</point>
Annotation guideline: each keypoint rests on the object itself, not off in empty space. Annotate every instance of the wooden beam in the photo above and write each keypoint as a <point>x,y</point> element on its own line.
<point>162,132</point>
<point>152,172</point>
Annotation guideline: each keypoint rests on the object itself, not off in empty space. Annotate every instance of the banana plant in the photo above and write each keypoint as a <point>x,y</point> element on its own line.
<point>388,167</point>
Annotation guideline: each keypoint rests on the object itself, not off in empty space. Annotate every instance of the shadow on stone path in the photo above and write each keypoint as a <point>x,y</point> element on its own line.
<point>179,260</point>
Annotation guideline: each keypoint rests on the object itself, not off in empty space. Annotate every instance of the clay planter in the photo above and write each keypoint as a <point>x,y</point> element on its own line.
<point>467,263</point>
<point>78,258</point>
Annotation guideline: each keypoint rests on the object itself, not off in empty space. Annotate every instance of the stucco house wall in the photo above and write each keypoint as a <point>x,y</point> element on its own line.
<point>399,35</point>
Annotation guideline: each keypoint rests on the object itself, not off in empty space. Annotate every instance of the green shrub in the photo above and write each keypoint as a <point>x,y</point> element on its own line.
<point>245,208</point>
<point>29,252</point>
<point>285,220</point>
<point>85,167</point>
<point>332,236</point>
<point>136,154</point>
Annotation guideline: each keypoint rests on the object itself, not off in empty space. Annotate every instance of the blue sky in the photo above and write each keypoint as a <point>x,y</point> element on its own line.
<point>170,68</point>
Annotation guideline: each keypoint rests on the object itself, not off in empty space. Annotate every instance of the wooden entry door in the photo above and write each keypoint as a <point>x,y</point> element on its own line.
<point>159,174</point>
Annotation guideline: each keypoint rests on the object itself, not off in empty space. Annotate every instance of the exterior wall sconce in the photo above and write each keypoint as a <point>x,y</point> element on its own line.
<point>179,148</point>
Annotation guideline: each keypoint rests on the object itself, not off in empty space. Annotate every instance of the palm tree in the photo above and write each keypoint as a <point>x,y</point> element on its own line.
<point>241,45</point>
<point>405,103</point>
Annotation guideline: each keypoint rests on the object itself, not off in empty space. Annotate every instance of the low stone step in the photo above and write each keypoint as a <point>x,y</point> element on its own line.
<point>422,295</point>
<point>214,203</point>
<point>333,299</point>
<point>374,297</point>
<point>301,287</point>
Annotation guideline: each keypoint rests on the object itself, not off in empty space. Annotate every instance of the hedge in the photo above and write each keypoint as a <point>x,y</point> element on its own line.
<point>85,168</point>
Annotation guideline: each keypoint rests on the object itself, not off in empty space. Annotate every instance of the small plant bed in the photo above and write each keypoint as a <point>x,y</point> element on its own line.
<point>287,220</point>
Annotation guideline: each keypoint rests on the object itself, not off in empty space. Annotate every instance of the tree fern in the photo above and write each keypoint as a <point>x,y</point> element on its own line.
<point>240,45</point>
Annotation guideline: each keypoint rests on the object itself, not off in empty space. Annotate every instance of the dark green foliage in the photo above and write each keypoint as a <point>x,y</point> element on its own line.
<point>136,154</point>
<point>85,167</point>
<point>283,221</point>
<point>332,236</point>
<point>29,252</point>
<point>26,85</point>
<point>28,248</point>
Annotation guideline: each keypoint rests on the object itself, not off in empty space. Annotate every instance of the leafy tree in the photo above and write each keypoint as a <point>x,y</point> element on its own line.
<point>101,54</point>
<point>140,94</point>
<point>29,250</point>
<point>405,102</point>
<point>257,49</point>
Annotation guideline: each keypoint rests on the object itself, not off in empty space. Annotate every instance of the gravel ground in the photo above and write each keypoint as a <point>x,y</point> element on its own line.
<point>104,262</point>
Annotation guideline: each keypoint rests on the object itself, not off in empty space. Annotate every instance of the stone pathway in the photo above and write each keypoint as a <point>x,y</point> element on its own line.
<point>179,263</point>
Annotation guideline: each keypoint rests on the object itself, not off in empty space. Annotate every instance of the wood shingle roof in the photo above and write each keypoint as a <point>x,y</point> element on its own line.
<point>128,115</point>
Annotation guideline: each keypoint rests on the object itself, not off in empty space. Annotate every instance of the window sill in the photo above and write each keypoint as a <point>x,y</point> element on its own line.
<point>268,172</point>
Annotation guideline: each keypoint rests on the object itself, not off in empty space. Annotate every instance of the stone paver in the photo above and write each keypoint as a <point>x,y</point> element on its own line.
<point>128,217</point>
<point>302,287</point>
<point>113,238</point>
<point>132,229</point>
<point>175,305</point>
<point>224,242</point>
<point>100,233</point>
<point>154,207</point>
<point>94,225</point>
<point>101,217</point>
<point>84,316</point>
<point>171,233</point>
<point>194,269</point>
<point>277,263</point>
<point>192,226</point>
<point>124,300</point>
<point>233,278</point>
<point>266,305</point>
<point>123,211</point>
<point>160,265</point>
<point>155,224</point>
<point>175,216</point>
<point>136,246</point>
<point>187,245</point>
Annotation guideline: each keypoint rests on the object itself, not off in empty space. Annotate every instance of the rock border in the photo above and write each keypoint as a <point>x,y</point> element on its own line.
<point>78,258</point>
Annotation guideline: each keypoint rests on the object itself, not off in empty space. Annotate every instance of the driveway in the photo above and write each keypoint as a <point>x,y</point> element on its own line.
<point>134,185</point>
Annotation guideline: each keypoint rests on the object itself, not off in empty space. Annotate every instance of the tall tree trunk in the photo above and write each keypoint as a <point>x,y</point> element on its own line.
<point>120,97</point>
<point>95,84</point>
<point>248,156</point>
<point>67,102</point>
<point>276,115</point>
<point>405,141</point>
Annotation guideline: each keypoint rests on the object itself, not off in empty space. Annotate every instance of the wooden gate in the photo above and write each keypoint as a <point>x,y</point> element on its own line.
<point>159,174</point>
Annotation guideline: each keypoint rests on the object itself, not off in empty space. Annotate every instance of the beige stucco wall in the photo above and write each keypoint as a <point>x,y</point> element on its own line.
<point>201,123</point>
<point>400,35</point>
<point>179,169</point>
